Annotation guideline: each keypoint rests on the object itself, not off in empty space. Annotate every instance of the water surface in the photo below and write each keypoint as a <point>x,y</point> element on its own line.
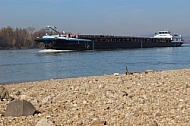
<point>30,65</point>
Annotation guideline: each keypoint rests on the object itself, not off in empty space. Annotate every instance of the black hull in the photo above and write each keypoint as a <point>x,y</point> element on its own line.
<point>108,43</point>
<point>65,44</point>
<point>128,45</point>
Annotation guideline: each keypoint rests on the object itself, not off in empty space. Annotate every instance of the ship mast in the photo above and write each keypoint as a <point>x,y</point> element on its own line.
<point>53,28</point>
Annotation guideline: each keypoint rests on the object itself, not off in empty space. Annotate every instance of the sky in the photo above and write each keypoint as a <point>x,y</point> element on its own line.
<point>108,17</point>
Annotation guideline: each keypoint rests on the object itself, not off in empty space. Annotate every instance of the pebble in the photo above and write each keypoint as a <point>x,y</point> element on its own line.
<point>149,98</point>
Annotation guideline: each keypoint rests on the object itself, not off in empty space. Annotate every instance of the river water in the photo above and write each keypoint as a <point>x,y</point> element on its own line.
<point>32,65</point>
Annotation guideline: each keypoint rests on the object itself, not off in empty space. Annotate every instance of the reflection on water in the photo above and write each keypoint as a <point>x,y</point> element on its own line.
<point>30,65</point>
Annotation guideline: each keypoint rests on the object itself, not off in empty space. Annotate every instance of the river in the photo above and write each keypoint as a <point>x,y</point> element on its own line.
<point>32,65</point>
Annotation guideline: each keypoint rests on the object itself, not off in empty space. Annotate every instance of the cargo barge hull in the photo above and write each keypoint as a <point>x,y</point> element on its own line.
<point>122,42</point>
<point>69,41</point>
<point>107,43</point>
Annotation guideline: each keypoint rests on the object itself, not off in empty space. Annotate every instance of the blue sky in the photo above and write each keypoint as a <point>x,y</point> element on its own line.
<point>112,17</point>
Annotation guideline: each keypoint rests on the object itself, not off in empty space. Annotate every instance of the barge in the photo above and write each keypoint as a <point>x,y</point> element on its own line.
<point>69,41</point>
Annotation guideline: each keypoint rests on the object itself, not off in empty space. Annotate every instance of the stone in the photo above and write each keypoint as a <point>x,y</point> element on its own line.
<point>148,71</point>
<point>22,97</point>
<point>98,123</point>
<point>154,123</point>
<point>47,99</point>
<point>18,93</point>
<point>187,86</point>
<point>109,94</point>
<point>19,108</point>
<point>45,122</point>
<point>116,74</point>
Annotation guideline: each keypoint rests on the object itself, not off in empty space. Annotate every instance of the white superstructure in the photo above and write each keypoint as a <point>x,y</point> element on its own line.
<point>55,35</point>
<point>167,34</point>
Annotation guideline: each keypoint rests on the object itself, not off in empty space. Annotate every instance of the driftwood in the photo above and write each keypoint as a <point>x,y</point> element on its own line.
<point>4,94</point>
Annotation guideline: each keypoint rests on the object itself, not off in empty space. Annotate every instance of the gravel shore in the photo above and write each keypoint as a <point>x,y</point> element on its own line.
<point>151,98</point>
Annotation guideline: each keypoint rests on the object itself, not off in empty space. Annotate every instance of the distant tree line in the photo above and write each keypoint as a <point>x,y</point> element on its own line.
<point>19,38</point>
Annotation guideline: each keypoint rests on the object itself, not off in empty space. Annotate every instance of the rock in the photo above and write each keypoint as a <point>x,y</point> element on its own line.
<point>116,74</point>
<point>124,93</point>
<point>154,123</point>
<point>47,99</point>
<point>98,123</point>
<point>158,114</point>
<point>35,102</point>
<point>109,94</point>
<point>187,86</point>
<point>18,93</point>
<point>45,122</point>
<point>19,108</point>
<point>4,94</point>
<point>148,71</point>
<point>22,97</point>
